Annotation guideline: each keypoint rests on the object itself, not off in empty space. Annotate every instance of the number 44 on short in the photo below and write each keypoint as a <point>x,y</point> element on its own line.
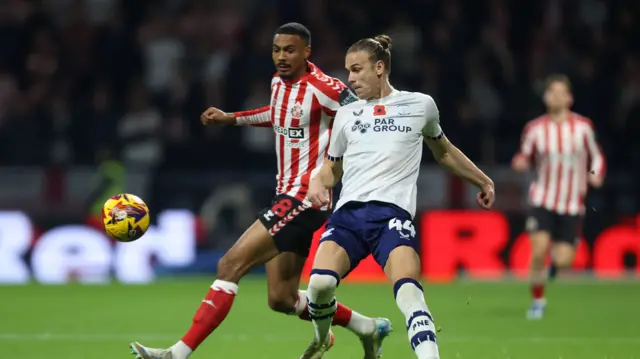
<point>403,227</point>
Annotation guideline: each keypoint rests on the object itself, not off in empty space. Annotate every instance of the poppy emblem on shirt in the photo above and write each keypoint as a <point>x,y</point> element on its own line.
<point>296,111</point>
<point>379,110</point>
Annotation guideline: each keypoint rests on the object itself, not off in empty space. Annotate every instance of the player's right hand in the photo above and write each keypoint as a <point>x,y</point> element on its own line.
<point>486,196</point>
<point>317,194</point>
<point>216,116</point>
<point>520,163</point>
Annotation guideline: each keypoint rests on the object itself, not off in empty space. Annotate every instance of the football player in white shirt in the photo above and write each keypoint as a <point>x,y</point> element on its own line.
<point>376,148</point>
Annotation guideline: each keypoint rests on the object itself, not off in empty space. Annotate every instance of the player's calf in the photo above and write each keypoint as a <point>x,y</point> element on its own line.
<point>540,242</point>
<point>254,247</point>
<point>322,303</point>
<point>403,268</point>
<point>420,325</point>
<point>286,303</point>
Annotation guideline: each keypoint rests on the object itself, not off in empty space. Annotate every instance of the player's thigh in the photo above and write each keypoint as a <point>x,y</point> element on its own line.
<point>396,245</point>
<point>283,280</point>
<point>566,236</point>
<point>539,225</point>
<point>291,224</point>
<point>253,248</point>
<point>341,248</point>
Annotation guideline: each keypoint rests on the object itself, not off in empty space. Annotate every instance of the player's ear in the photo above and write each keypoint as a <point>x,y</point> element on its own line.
<point>379,67</point>
<point>307,52</point>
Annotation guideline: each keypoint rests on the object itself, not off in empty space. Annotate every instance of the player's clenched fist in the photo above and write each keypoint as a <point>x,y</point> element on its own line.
<point>317,193</point>
<point>486,197</point>
<point>216,116</point>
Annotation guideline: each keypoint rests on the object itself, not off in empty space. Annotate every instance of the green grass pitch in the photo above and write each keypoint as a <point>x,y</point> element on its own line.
<point>478,321</point>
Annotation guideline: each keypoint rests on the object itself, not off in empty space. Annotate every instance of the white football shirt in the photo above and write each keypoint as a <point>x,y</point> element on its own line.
<point>380,144</point>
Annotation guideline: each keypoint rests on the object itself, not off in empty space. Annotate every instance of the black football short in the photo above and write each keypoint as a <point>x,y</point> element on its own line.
<point>292,224</point>
<point>562,227</point>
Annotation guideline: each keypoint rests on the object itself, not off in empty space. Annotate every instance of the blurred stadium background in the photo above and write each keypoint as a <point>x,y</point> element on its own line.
<point>103,96</point>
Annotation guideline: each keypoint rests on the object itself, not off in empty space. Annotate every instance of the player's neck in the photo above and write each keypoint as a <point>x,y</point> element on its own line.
<point>295,77</point>
<point>559,115</point>
<point>385,89</point>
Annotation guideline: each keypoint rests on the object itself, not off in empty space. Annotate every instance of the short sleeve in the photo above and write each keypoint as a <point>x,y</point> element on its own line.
<point>432,127</point>
<point>338,142</point>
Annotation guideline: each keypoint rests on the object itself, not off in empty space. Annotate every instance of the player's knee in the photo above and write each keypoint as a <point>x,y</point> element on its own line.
<point>403,262</point>
<point>282,302</point>
<point>323,281</point>
<point>538,252</point>
<point>563,261</point>
<point>563,255</point>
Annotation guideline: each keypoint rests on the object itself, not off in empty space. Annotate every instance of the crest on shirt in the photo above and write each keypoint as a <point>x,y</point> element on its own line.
<point>296,111</point>
<point>379,110</point>
<point>403,110</point>
<point>360,126</point>
<point>358,113</point>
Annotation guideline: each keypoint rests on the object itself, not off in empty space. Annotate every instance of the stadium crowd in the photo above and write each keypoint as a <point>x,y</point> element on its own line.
<point>78,77</point>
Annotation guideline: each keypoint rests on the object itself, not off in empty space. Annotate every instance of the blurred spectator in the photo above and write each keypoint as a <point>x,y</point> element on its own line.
<point>258,139</point>
<point>140,131</point>
<point>67,65</point>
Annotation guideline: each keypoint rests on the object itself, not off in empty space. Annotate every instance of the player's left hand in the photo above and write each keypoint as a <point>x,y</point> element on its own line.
<point>595,181</point>
<point>486,196</point>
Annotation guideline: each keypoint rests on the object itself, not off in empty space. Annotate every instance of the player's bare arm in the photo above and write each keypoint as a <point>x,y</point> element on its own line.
<point>257,117</point>
<point>328,177</point>
<point>216,116</point>
<point>597,159</point>
<point>521,161</point>
<point>455,161</point>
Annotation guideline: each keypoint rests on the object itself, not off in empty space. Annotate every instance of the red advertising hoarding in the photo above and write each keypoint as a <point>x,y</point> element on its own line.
<point>483,244</point>
<point>476,240</point>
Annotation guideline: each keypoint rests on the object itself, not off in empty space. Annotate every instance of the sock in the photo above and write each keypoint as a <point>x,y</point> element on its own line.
<point>538,279</point>
<point>321,301</point>
<point>345,317</point>
<point>420,326</point>
<point>180,350</point>
<point>537,291</point>
<point>214,308</point>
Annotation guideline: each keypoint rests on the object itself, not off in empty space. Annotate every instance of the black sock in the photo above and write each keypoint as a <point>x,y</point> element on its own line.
<point>553,271</point>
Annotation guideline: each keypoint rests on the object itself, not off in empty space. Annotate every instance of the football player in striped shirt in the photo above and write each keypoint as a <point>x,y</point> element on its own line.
<point>562,146</point>
<point>303,104</point>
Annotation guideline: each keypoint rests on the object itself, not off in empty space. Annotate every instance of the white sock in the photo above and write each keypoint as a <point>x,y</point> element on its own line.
<point>301,304</point>
<point>361,325</point>
<point>420,326</point>
<point>180,350</point>
<point>322,303</point>
<point>358,324</point>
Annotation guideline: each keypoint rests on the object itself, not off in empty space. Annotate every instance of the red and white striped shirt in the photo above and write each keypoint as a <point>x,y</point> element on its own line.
<point>301,114</point>
<point>562,151</point>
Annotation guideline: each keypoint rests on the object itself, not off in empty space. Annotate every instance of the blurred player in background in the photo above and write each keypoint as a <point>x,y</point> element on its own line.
<point>303,104</point>
<point>378,140</point>
<point>563,145</point>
